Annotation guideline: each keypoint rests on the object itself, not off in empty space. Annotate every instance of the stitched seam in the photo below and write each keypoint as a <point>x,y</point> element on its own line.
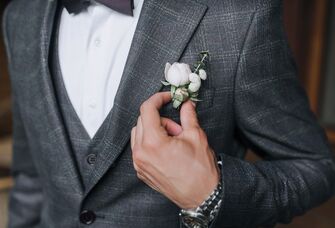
<point>5,34</point>
<point>239,61</point>
<point>258,10</point>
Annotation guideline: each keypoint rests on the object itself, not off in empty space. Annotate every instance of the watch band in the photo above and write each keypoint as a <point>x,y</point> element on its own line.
<point>210,207</point>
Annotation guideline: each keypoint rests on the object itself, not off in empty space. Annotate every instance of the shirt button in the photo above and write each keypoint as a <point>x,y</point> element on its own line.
<point>87,217</point>
<point>97,42</point>
<point>93,105</point>
<point>91,159</point>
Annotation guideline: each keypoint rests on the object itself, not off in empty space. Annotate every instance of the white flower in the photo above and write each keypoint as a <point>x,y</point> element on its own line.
<point>177,74</point>
<point>195,84</point>
<point>202,74</point>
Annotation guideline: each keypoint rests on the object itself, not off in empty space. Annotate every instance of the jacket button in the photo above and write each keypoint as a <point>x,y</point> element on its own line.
<point>91,159</point>
<point>87,217</point>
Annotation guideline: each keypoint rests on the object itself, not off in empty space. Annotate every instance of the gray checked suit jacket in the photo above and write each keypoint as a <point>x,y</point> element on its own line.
<point>252,99</point>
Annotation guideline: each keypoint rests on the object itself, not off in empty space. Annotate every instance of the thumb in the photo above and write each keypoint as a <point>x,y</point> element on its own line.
<point>188,116</point>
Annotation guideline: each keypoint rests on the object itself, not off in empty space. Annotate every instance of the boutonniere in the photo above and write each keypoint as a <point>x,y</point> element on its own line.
<point>185,83</point>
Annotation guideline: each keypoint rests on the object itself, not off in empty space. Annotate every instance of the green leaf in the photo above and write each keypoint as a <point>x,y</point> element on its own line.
<point>176,104</point>
<point>194,94</point>
<point>165,83</point>
<point>173,90</point>
<point>195,99</point>
<point>204,53</point>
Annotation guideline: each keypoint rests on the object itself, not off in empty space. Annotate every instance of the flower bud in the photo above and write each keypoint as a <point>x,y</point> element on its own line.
<point>177,74</point>
<point>194,86</point>
<point>202,74</point>
<point>193,77</point>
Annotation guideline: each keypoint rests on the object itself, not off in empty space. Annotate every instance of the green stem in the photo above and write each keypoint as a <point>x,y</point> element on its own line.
<point>202,61</point>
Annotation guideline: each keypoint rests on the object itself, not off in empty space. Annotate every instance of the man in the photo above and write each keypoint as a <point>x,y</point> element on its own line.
<point>97,142</point>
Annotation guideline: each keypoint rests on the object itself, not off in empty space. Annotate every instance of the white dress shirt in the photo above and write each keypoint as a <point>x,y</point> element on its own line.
<point>93,49</point>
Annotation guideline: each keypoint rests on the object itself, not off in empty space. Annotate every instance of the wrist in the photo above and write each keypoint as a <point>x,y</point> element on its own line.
<point>208,191</point>
<point>213,180</point>
<point>204,214</point>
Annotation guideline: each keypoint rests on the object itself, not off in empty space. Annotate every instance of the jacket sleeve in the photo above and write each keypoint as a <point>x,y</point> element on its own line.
<point>273,118</point>
<point>26,195</point>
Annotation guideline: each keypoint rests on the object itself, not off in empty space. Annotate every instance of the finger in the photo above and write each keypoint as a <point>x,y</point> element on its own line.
<point>188,116</point>
<point>147,181</point>
<point>145,177</point>
<point>172,128</point>
<point>150,111</point>
<point>132,137</point>
<point>139,130</point>
<point>141,175</point>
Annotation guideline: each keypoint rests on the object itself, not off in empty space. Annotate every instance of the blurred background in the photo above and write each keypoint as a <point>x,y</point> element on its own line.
<point>310,26</point>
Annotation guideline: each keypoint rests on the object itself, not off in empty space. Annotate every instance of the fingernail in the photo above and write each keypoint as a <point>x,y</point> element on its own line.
<point>194,104</point>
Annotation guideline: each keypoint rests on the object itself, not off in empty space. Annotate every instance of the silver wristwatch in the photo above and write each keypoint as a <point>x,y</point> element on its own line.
<point>204,214</point>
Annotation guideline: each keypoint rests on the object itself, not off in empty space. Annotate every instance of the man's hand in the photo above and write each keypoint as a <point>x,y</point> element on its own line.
<point>172,159</point>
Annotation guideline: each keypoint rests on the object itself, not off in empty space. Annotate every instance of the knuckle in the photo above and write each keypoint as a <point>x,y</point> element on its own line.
<point>196,133</point>
<point>199,136</point>
<point>149,145</point>
<point>143,106</point>
<point>137,155</point>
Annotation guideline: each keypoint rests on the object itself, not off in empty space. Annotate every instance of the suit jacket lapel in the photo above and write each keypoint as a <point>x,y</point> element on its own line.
<point>162,33</point>
<point>61,148</point>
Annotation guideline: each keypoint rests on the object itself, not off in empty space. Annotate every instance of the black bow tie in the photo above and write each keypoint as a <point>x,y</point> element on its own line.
<point>122,6</point>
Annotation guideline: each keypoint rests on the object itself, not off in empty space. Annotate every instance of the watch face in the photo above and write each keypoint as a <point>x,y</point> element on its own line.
<point>193,222</point>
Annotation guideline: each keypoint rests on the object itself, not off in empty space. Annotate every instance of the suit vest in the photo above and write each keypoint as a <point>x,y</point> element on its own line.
<point>84,148</point>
